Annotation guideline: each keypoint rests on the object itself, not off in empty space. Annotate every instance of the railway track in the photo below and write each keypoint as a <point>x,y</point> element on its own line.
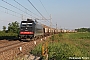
<point>11,49</point>
<point>3,41</point>
<point>10,46</point>
<point>7,43</point>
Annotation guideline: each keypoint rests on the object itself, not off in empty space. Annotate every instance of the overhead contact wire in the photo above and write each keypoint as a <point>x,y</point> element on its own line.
<point>25,7</point>
<point>36,9</point>
<point>15,7</point>
<point>44,7</point>
<point>10,10</point>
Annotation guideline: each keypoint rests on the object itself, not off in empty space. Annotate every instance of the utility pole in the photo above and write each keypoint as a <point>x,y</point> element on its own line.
<point>22,17</point>
<point>56,25</point>
<point>50,24</point>
<point>50,21</point>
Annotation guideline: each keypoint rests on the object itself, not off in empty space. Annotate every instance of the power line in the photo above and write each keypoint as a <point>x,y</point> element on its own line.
<point>38,12</point>
<point>20,9</point>
<point>24,7</point>
<point>43,6</point>
<point>15,7</point>
<point>11,11</point>
<point>36,9</point>
<point>47,13</point>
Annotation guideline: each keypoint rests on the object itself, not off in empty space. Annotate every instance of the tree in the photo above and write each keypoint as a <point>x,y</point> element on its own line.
<point>88,29</point>
<point>83,30</point>
<point>13,27</point>
<point>4,28</point>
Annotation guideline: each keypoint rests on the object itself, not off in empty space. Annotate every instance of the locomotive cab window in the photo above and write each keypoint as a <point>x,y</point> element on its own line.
<point>26,24</point>
<point>23,24</point>
<point>29,24</point>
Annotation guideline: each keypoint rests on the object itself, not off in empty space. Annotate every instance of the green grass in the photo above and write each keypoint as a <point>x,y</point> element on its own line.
<point>63,51</point>
<point>64,45</point>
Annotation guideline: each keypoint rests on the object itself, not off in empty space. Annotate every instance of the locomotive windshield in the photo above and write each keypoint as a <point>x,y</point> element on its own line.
<point>26,24</point>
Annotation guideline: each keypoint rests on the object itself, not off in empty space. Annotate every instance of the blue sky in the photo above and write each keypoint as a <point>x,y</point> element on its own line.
<point>68,14</point>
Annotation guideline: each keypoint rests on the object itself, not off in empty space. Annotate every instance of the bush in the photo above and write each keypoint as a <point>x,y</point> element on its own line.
<point>37,50</point>
<point>4,35</point>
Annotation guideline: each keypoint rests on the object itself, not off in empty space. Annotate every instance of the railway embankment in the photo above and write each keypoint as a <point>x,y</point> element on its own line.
<point>14,50</point>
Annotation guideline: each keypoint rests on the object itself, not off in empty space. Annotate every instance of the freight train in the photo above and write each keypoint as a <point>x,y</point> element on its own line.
<point>32,29</point>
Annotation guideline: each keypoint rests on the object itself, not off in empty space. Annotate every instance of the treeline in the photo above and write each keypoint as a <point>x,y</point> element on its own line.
<point>11,31</point>
<point>83,30</point>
